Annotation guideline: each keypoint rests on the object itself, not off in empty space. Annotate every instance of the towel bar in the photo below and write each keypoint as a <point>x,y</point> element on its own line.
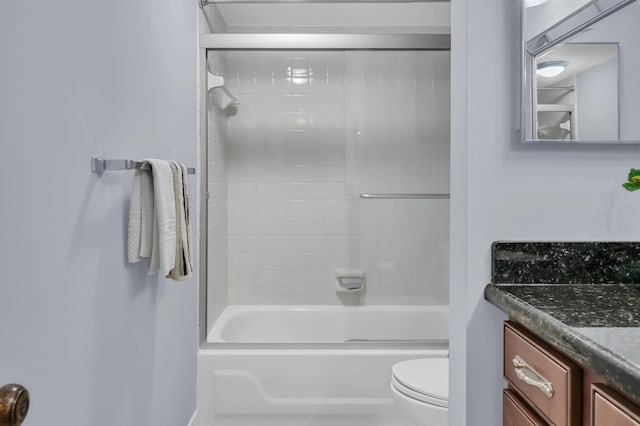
<point>99,165</point>
<point>402,196</point>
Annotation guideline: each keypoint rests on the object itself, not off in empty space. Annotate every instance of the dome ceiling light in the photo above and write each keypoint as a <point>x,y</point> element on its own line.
<point>551,68</point>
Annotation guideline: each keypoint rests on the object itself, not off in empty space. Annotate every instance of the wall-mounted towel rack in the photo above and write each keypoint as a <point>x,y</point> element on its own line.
<point>99,165</point>
<point>402,196</point>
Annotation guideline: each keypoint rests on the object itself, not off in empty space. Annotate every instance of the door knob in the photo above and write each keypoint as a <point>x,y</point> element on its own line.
<point>14,404</point>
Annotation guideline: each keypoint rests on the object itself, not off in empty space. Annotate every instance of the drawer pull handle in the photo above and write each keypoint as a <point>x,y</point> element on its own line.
<point>530,376</point>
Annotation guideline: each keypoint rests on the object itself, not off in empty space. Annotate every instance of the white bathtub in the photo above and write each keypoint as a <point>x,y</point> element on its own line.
<point>312,365</point>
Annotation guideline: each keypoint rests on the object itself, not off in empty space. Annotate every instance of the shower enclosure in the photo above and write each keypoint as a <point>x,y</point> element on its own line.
<point>324,235</point>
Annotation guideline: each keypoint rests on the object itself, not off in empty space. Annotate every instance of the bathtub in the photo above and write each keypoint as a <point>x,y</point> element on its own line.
<point>312,365</point>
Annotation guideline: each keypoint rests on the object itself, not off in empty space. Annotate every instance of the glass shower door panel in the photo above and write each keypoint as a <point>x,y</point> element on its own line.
<point>285,176</point>
<point>397,150</point>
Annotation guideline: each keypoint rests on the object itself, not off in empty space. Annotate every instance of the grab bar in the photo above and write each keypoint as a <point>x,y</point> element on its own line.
<point>402,196</point>
<point>99,165</point>
<point>568,88</point>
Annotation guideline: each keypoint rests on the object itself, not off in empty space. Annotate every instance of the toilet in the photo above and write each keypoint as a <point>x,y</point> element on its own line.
<point>421,390</point>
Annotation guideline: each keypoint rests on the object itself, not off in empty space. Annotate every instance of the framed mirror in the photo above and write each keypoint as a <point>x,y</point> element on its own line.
<point>579,79</point>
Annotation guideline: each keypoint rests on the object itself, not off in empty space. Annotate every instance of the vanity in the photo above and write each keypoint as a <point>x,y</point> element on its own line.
<point>572,341</point>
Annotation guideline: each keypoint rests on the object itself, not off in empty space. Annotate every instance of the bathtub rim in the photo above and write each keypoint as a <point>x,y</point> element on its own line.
<point>234,310</point>
<point>437,345</point>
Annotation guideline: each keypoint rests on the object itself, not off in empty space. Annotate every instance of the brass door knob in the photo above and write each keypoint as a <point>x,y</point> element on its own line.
<point>14,404</point>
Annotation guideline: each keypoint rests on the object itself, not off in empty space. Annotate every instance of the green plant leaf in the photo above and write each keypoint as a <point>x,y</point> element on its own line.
<point>634,173</point>
<point>630,186</point>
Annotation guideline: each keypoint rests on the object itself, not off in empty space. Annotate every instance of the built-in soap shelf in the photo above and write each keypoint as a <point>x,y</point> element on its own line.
<point>350,280</point>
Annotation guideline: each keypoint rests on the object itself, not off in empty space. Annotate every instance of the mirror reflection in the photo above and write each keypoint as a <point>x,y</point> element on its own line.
<point>577,92</point>
<point>581,59</point>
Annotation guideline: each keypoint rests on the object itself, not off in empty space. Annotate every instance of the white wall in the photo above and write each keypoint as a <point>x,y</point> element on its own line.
<point>504,190</point>
<point>96,340</point>
<point>597,102</point>
<point>539,18</point>
<point>302,138</point>
<point>622,28</point>
<point>364,18</point>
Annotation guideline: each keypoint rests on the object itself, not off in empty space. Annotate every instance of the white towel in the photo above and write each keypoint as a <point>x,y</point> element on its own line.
<point>148,213</point>
<point>183,266</point>
<point>163,252</point>
<point>141,212</point>
<point>135,221</point>
<point>159,220</point>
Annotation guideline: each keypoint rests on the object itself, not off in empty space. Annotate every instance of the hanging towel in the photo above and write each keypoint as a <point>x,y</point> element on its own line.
<point>141,217</point>
<point>163,252</point>
<point>159,220</point>
<point>134,233</point>
<point>183,266</point>
<point>148,213</point>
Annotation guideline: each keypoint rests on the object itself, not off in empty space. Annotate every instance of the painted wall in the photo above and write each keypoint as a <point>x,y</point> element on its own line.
<point>503,190</point>
<point>541,17</point>
<point>597,106</point>
<point>313,127</point>
<point>621,28</point>
<point>96,340</point>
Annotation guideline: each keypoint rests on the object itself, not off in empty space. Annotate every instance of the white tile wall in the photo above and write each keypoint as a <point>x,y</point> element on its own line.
<point>217,253</point>
<point>312,131</point>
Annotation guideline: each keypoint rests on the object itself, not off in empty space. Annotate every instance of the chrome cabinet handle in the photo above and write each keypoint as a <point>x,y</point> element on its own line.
<point>14,404</point>
<point>530,376</point>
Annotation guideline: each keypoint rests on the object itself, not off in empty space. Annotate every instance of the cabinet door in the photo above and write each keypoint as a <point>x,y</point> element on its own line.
<point>546,379</point>
<point>608,408</point>
<point>515,412</point>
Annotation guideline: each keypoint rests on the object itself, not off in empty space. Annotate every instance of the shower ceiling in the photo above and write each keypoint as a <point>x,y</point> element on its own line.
<point>431,17</point>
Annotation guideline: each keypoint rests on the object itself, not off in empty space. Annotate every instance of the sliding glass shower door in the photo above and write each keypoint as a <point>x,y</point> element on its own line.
<point>397,169</point>
<point>328,178</point>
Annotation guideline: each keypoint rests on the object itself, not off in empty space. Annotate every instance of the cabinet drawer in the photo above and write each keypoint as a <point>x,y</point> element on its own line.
<point>516,413</point>
<point>608,408</point>
<point>546,379</point>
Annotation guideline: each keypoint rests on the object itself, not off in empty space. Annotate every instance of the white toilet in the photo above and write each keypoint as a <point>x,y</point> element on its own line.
<point>421,389</point>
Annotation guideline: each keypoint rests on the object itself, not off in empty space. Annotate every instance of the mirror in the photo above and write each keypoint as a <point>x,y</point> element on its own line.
<point>580,60</point>
<point>574,78</point>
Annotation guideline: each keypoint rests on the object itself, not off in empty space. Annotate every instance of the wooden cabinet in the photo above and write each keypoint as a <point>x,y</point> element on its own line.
<point>548,388</point>
<point>546,379</point>
<point>609,408</point>
<point>515,412</point>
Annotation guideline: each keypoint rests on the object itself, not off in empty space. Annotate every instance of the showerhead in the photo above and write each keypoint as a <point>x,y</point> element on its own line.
<point>222,96</point>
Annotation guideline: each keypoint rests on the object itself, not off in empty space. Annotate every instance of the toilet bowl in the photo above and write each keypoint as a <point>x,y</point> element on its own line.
<point>421,390</point>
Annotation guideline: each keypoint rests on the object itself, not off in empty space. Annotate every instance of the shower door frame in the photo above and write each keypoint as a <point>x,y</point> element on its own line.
<point>256,42</point>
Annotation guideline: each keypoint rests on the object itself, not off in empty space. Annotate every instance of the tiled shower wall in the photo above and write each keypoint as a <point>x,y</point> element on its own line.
<point>313,130</point>
<point>217,253</point>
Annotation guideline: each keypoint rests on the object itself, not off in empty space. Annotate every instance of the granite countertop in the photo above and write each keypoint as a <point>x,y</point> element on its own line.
<point>595,323</point>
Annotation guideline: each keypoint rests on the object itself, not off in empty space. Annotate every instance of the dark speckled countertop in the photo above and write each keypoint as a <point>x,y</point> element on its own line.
<point>582,298</point>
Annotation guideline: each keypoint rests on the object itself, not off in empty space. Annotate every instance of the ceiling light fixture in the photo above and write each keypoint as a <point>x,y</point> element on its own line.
<point>551,68</point>
<point>532,3</point>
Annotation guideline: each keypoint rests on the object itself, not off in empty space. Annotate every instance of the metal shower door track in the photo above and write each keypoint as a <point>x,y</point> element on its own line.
<point>326,41</point>
<point>203,3</point>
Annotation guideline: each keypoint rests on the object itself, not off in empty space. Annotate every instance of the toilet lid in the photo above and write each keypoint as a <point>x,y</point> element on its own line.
<point>426,379</point>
